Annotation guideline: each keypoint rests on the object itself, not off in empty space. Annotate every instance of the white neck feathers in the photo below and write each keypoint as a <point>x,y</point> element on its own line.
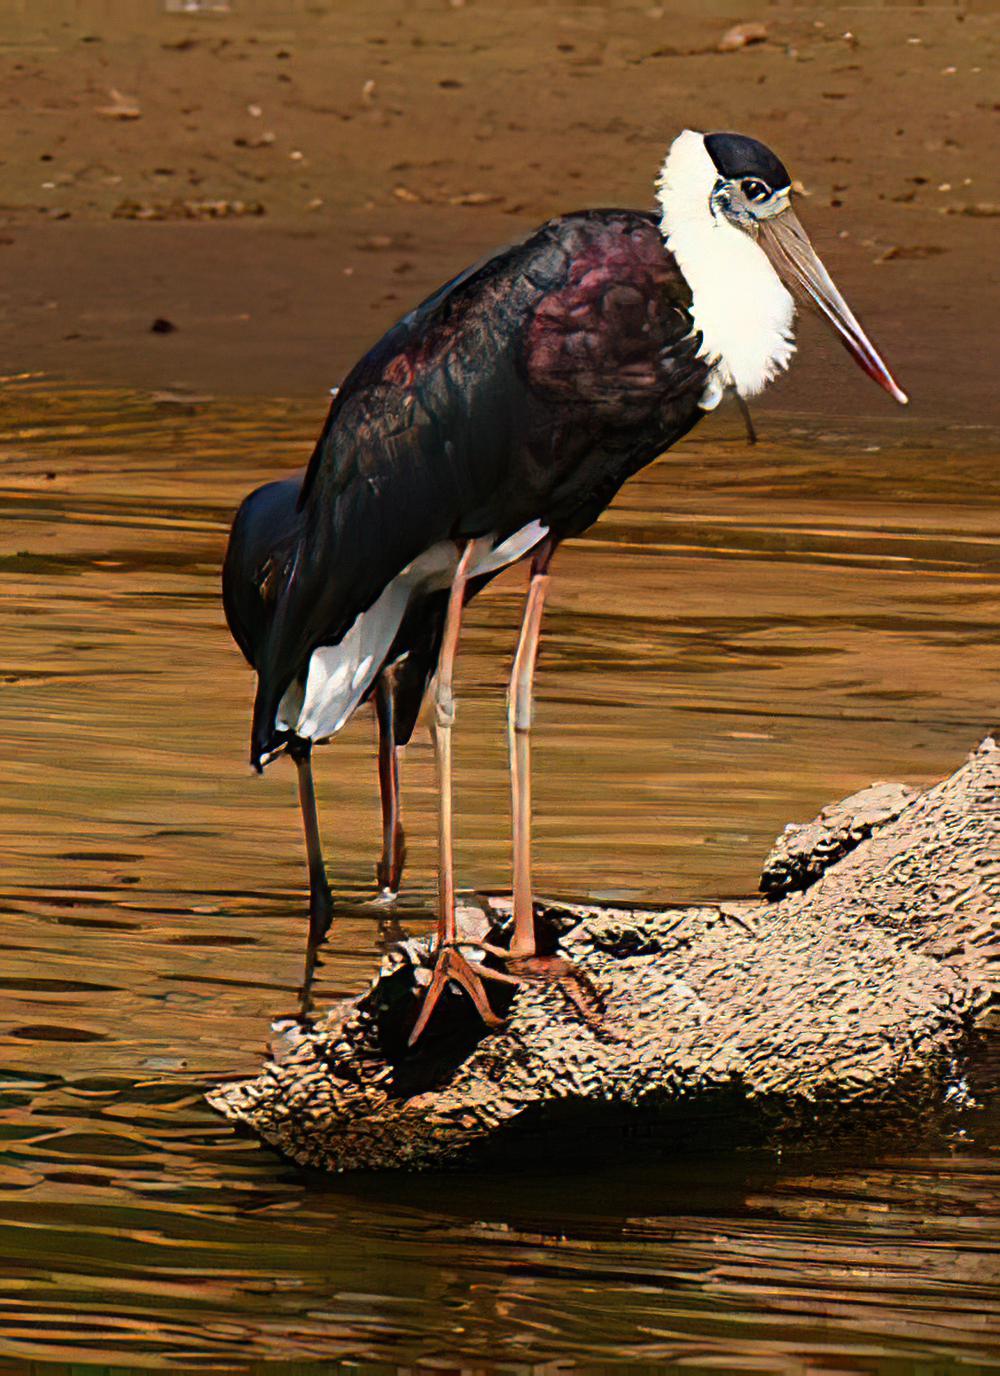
<point>738,303</point>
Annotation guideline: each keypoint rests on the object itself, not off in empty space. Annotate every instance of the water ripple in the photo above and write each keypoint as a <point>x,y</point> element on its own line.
<point>747,635</point>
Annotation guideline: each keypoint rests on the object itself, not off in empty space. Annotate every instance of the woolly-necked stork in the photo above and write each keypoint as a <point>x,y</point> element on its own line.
<point>501,417</point>
<point>264,532</point>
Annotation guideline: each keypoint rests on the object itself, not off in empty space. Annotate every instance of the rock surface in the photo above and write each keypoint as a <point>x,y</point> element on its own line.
<point>805,850</point>
<point>852,1001</point>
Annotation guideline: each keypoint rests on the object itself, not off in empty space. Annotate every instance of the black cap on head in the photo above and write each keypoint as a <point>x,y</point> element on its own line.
<point>737,156</point>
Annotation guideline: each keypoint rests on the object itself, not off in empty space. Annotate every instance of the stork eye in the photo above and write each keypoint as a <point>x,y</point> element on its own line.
<point>755,190</point>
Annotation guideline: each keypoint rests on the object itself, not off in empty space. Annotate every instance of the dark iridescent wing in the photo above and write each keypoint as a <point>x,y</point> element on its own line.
<point>615,335</point>
<point>459,422</point>
<point>408,450</point>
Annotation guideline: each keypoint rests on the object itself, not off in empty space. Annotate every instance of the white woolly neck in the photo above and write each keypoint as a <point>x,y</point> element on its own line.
<point>738,303</point>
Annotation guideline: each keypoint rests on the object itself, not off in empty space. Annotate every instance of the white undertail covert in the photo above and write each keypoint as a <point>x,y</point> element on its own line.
<point>738,303</point>
<point>340,675</point>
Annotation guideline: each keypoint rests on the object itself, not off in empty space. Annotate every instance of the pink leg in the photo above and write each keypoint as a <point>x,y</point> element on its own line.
<point>444,717</point>
<point>524,959</point>
<point>450,963</point>
<point>519,714</point>
<point>390,867</point>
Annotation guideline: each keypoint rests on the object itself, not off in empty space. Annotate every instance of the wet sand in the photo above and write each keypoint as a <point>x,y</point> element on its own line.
<point>390,145</point>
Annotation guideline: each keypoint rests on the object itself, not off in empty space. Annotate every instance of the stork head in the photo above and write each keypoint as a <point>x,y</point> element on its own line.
<point>746,186</point>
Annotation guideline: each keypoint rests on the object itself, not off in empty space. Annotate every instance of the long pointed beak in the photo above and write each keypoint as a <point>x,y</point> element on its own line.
<point>795,260</point>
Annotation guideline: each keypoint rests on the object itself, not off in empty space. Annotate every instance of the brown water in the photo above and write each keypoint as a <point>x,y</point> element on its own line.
<point>749,634</point>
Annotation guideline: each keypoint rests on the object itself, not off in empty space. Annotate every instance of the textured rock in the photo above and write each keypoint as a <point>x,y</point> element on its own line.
<point>804,850</point>
<point>854,998</point>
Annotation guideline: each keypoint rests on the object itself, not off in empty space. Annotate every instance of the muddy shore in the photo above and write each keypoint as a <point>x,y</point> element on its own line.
<point>282,181</point>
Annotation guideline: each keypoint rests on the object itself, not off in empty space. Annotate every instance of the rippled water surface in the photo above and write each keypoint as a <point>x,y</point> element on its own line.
<point>749,634</point>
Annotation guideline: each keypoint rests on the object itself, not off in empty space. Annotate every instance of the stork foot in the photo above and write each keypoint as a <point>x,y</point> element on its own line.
<point>575,985</point>
<point>389,872</point>
<point>452,965</point>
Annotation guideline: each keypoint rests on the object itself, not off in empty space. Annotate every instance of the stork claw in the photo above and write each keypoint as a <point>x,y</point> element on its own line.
<point>577,987</point>
<point>452,965</point>
<point>487,946</point>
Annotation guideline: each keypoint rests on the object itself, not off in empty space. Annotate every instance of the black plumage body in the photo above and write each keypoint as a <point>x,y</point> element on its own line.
<point>263,537</point>
<point>526,390</point>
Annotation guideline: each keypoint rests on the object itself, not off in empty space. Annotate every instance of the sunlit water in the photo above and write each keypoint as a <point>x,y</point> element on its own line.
<point>749,634</point>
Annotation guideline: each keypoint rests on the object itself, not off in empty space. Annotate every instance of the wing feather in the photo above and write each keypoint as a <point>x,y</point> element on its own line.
<point>481,409</point>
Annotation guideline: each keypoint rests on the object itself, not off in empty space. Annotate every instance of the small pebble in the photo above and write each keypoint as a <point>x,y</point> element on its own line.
<point>742,36</point>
